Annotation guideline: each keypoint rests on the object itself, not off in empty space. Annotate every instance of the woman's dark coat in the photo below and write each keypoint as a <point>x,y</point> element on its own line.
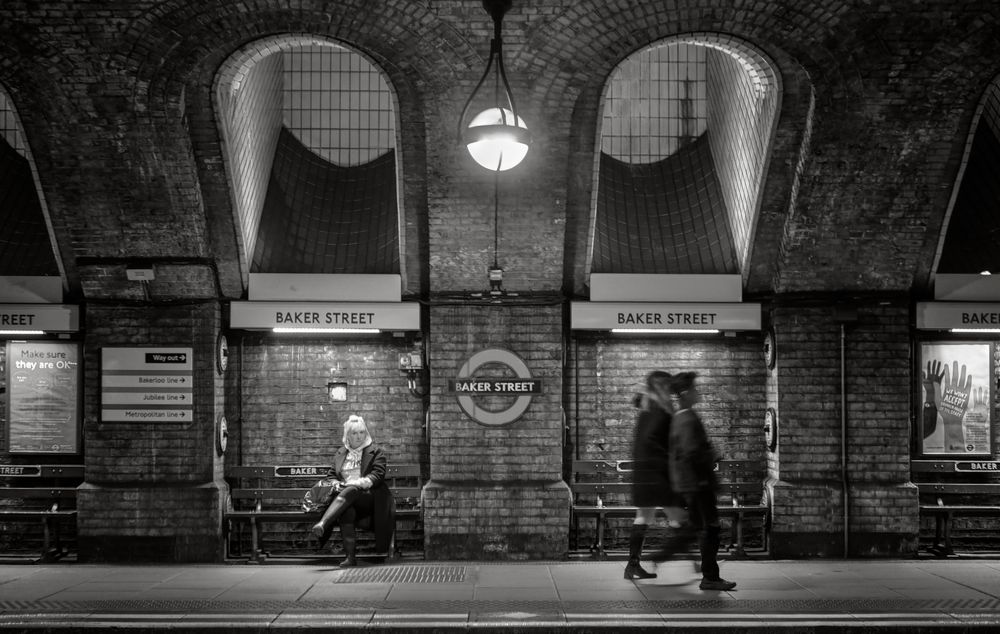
<point>651,479</point>
<point>383,519</point>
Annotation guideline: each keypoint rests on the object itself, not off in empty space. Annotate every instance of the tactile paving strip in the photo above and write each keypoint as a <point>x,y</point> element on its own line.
<point>404,574</point>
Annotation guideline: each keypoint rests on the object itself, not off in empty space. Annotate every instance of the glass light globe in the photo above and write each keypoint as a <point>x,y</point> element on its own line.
<point>493,140</point>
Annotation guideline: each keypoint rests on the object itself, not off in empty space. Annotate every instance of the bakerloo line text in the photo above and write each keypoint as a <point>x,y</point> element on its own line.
<point>328,318</point>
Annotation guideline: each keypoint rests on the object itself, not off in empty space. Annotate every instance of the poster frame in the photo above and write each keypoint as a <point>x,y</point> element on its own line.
<point>920,449</point>
<point>9,438</point>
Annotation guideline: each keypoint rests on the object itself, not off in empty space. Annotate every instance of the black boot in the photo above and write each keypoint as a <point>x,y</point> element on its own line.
<point>350,546</point>
<point>633,570</point>
<point>323,528</point>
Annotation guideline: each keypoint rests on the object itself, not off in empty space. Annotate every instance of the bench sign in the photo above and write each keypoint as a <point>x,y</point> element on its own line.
<point>300,471</point>
<point>986,465</point>
<point>25,470</point>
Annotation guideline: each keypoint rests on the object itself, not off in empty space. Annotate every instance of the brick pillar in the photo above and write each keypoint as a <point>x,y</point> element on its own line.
<point>496,491</point>
<point>153,491</point>
<point>807,488</point>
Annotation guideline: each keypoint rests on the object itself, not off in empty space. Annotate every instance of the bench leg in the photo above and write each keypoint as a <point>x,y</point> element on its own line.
<point>599,546</point>
<point>948,550</point>
<point>256,554</point>
<point>738,530</point>
<point>47,556</point>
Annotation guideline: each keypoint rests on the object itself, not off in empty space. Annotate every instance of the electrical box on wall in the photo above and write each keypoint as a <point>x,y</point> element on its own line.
<point>411,361</point>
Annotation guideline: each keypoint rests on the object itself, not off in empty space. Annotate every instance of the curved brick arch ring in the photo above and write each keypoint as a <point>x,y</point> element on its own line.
<point>502,357</point>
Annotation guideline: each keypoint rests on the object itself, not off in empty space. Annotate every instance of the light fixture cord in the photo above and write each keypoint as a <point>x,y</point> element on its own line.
<point>496,218</point>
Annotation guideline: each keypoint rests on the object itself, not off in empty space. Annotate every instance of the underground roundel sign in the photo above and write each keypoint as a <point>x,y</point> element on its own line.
<point>494,387</point>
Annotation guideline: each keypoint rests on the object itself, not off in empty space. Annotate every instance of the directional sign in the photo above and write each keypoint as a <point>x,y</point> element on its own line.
<point>147,385</point>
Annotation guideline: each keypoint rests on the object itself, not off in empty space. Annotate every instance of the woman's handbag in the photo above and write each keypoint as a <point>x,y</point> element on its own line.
<point>320,495</point>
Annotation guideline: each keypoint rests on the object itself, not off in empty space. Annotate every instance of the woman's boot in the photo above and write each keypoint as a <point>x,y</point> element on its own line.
<point>633,570</point>
<point>350,545</point>
<point>324,526</point>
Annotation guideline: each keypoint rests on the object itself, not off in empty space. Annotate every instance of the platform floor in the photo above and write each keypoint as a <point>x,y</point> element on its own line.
<point>918,595</point>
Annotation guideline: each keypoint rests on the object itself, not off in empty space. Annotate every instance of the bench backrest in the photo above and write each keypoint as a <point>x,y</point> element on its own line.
<point>258,482</point>
<point>967,478</point>
<point>601,477</point>
<point>52,484</point>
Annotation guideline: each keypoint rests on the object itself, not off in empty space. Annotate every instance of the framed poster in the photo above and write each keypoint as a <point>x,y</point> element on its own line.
<point>956,398</point>
<point>43,397</point>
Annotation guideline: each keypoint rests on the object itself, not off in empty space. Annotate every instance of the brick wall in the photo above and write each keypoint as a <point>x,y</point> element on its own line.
<point>604,371</point>
<point>809,486</point>
<point>281,412</point>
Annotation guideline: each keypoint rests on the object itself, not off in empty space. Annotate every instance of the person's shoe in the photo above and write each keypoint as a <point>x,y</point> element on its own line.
<point>634,571</point>
<point>716,584</point>
<point>349,562</point>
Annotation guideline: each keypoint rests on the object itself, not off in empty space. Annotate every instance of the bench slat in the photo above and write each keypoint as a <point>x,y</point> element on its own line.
<point>959,488</point>
<point>36,492</point>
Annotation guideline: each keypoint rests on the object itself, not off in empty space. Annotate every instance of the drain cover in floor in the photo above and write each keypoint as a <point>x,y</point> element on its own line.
<point>404,574</point>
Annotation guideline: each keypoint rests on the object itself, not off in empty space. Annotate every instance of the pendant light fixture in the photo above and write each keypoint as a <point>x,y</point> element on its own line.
<point>497,138</point>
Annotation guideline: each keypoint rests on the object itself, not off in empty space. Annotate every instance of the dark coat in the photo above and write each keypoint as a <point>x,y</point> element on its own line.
<point>692,456</point>
<point>651,479</point>
<point>382,521</point>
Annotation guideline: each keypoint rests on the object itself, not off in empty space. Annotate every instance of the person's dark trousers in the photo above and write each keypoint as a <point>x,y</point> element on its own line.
<point>704,518</point>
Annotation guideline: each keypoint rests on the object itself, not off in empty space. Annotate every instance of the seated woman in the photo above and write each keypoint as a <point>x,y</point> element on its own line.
<point>359,468</point>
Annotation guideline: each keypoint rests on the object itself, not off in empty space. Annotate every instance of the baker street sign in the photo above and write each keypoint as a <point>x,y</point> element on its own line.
<point>494,400</point>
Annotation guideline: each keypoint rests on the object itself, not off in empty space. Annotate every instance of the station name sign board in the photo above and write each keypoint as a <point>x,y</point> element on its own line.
<point>656,315</point>
<point>47,317</point>
<point>346,315</point>
<point>947,315</point>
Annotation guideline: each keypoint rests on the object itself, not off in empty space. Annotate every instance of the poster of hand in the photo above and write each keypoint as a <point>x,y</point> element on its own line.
<point>956,380</point>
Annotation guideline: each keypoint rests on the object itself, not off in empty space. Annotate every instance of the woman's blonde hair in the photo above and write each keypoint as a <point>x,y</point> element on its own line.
<point>355,422</point>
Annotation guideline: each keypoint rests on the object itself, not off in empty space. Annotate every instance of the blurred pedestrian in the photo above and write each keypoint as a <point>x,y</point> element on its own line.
<point>651,480</point>
<point>692,474</point>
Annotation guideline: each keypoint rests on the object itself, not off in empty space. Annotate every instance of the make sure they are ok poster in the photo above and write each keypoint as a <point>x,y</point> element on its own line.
<point>43,397</point>
<point>956,400</point>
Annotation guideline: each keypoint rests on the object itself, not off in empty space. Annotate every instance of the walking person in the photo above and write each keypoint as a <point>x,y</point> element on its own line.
<point>692,474</point>
<point>651,482</point>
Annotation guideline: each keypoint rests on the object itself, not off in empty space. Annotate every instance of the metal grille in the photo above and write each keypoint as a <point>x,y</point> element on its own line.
<point>337,104</point>
<point>10,128</point>
<point>404,574</point>
<point>655,103</point>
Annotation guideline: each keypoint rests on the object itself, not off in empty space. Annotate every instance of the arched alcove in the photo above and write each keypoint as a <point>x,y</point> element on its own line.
<point>681,156</point>
<point>309,129</point>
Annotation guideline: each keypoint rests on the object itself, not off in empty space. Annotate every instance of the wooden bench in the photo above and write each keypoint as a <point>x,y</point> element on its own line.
<point>950,488</point>
<point>255,498</point>
<point>598,482</point>
<point>41,493</point>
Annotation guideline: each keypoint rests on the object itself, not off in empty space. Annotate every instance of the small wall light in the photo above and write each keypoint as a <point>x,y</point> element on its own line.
<point>497,138</point>
<point>336,391</point>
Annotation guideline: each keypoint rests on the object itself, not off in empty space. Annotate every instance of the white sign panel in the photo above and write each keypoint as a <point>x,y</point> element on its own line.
<point>346,315</point>
<point>661,316</point>
<point>47,317</point>
<point>144,385</point>
<point>947,315</point>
